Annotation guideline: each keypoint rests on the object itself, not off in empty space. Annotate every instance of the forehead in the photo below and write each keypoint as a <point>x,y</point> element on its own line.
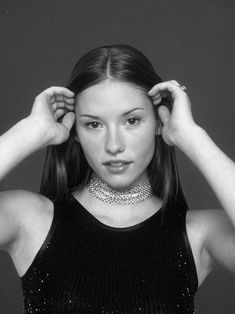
<point>112,94</point>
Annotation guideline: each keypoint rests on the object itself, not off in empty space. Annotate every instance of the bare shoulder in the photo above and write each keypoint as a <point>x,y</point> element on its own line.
<point>15,198</point>
<point>22,205</point>
<point>18,210</point>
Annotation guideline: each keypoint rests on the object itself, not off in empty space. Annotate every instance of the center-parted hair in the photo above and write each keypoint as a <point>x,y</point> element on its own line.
<point>66,168</point>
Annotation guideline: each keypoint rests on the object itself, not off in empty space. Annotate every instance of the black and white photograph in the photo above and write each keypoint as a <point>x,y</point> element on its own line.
<point>117,173</point>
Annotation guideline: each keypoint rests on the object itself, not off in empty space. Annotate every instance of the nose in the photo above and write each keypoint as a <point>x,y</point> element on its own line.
<point>114,143</point>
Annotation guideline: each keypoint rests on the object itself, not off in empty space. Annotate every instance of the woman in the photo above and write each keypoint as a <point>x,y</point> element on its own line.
<point>110,231</point>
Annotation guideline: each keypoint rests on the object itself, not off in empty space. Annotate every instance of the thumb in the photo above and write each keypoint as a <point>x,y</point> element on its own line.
<point>68,120</point>
<point>164,114</point>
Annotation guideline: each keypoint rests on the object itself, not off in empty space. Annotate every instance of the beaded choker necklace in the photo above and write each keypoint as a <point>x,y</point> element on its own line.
<point>105,193</point>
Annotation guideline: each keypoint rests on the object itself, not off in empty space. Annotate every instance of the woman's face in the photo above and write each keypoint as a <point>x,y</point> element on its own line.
<point>116,128</point>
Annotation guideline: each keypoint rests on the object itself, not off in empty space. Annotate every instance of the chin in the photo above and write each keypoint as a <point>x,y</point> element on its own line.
<point>120,183</point>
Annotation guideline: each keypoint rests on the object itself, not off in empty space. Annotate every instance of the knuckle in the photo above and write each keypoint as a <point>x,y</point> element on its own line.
<point>38,97</point>
<point>51,89</point>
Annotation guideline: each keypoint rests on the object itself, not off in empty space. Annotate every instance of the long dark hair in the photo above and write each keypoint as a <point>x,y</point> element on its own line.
<point>66,167</point>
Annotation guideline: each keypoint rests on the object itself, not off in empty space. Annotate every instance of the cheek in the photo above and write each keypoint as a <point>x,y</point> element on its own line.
<point>145,139</point>
<point>91,148</point>
<point>145,147</point>
<point>87,141</point>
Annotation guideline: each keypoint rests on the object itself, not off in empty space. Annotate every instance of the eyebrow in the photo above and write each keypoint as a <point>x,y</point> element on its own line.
<point>123,115</point>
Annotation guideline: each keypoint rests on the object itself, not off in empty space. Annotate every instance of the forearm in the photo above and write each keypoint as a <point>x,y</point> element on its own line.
<point>17,143</point>
<point>216,167</point>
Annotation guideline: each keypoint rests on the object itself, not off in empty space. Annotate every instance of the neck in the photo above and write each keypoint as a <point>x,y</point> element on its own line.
<point>100,190</point>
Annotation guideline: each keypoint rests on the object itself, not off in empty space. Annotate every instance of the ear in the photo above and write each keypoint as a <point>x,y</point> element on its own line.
<point>76,138</point>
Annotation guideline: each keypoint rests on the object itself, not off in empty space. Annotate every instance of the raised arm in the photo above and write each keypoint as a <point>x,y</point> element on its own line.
<point>35,132</point>
<point>180,129</point>
<point>39,129</point>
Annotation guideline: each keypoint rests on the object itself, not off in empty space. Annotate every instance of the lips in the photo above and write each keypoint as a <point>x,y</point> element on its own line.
<point>116,163</point>
<point>117,167</point>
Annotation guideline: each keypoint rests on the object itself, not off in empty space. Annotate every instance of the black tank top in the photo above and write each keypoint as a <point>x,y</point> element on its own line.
<point>85,266</point>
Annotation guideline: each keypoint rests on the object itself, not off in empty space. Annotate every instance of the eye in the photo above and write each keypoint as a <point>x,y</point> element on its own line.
<point>93,125</point>
<point>133,121</point>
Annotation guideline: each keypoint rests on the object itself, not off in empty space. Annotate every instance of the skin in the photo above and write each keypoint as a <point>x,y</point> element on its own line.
<point>25,217</point>
<point>109,136</point>
<point>116,121</point>
<point>211,232</point>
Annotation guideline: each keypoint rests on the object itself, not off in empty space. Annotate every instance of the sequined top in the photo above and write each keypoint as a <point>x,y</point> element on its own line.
<point>85,266</point>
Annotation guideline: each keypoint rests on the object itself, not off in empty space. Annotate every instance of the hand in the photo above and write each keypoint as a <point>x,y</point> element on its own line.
<point>178,122</point>
<point>52,104</point>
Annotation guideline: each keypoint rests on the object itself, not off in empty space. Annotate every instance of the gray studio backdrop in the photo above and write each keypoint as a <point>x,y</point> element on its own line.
<point>191,41</point>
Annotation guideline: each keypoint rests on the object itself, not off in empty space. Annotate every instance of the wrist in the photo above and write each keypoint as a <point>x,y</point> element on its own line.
<point>34,133</point>
<point>189,139</point>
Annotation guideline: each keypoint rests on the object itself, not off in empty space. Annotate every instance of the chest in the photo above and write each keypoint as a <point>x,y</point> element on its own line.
<point>88,267</point>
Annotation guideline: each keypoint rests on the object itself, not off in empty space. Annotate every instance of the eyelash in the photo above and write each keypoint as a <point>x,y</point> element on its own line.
<point>89,124</point>
<point>137,120</point>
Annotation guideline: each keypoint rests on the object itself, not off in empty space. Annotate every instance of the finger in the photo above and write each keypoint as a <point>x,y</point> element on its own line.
<point>165,87</point>
<point>58,105</point>
<point>69,101</point>
<point>46,98</point>
<point>164,114</point>
<point>61,105</point>
<point>68,120</point>
<point>157,101</point>
<point>62,98</point>
<point>156,97</point>
<point>70,107</point>
<point>158,88</point>
<point>160,94</point>
<point>59,97</point>
<point>59,113</point>
<point>182,87</point>
<point>175,82</point>
<point>54,90</point>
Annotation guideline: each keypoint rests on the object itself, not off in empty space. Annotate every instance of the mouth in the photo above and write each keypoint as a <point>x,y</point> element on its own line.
<point>117,166</point>
<point>116,163</point>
